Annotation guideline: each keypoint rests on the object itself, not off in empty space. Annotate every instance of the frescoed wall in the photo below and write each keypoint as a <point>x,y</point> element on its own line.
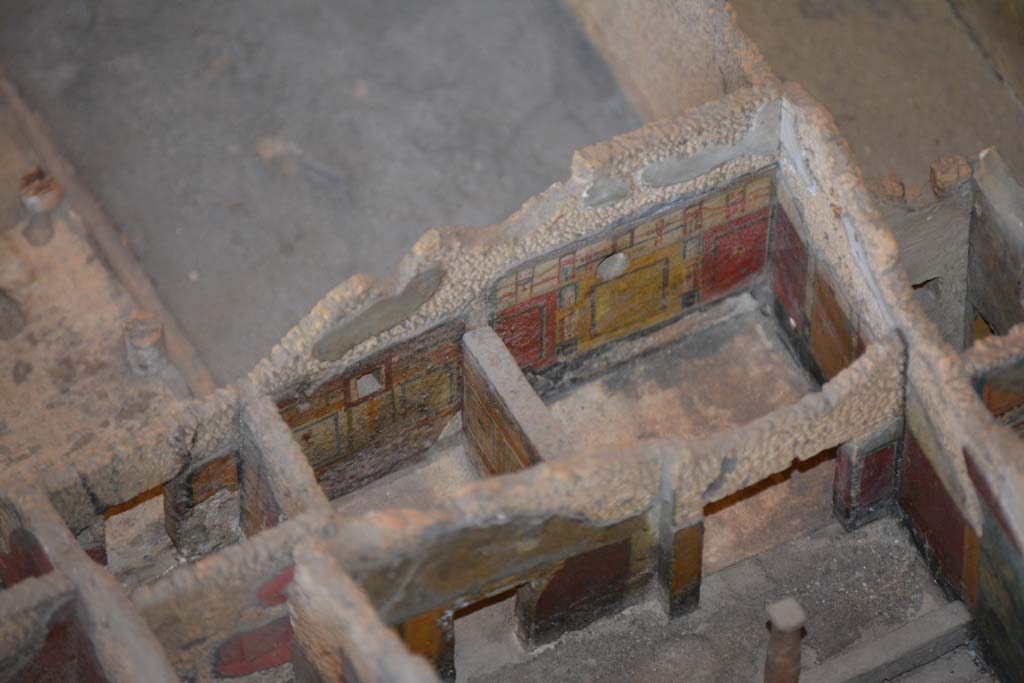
<point>495,435</point>
<point>364,423</point>
<point>679,257</point>
<point>823,324</point>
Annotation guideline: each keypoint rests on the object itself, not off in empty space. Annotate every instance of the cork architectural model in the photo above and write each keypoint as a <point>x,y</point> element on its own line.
<point>732,231</point>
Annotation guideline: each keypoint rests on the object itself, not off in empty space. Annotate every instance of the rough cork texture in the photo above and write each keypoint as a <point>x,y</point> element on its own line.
<point>340,630</point>
<point>24,616</point>
<point>121,645</point>
<point>227,614</point>
<point>670,56</point>
<point>937,379</point>
<point>473,261</point>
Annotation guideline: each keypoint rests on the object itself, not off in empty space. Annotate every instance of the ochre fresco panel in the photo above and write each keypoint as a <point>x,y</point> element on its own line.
<point>432,636</point>
<point>679,257</point>
<point>835,342</point>
<point>1005,400</point>
<point>220,473</point>
<point>497,439</point>
<point>629,299</point>
<point>400,398</point>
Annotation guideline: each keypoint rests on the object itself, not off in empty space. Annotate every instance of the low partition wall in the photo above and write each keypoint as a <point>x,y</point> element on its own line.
<point>507,425</point>
<point>339,635</point>
<point>578,537</point>
<point>226,615</point>
<point>382,412</point>
<point>996,367</point>
<point>34,623</point>
<point>73,622</point>
<point>995,287</point>
<point>114,471</point>
<point>277,481</point>
<point>960,477</point>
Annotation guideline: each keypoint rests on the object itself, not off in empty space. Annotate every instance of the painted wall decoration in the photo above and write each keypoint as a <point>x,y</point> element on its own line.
<point>67,654</point>
<point>677,258</point>
<point>498,440</point>
<point>938,526</point>
<point>998,600</point>
<point>363,424</point>
<point>821,319</point>
<point>789,263</point>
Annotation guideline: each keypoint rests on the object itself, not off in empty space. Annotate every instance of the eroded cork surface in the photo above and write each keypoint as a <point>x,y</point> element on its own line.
<point>457,545</point>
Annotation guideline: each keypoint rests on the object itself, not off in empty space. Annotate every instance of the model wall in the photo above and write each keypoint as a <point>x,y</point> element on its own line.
<point>823,324</point>
<point>369,420</point>
<point>492,431</point>
<point>558,307</point>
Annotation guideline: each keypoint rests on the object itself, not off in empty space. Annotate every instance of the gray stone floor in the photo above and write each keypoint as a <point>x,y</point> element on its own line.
<point>255,153</point>
<point>906,81</point>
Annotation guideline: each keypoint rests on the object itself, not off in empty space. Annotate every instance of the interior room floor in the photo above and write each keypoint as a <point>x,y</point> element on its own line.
<point>720,377</point>
<point>855,587</point>
<point>441,471</point>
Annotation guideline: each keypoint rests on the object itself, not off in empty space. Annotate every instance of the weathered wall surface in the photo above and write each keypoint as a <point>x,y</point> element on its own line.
<point>340,635</point>
<point>708,149</point>
<point>995,285</point>
<point>507,424</point>
<point>371,418</point>
<point>26,613</point>
<point>996,363</point>
<point>239,592</point>
<point>820,318</point>
<point>92,633</point>
<point>960,474</point>
<point>676,259</point>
